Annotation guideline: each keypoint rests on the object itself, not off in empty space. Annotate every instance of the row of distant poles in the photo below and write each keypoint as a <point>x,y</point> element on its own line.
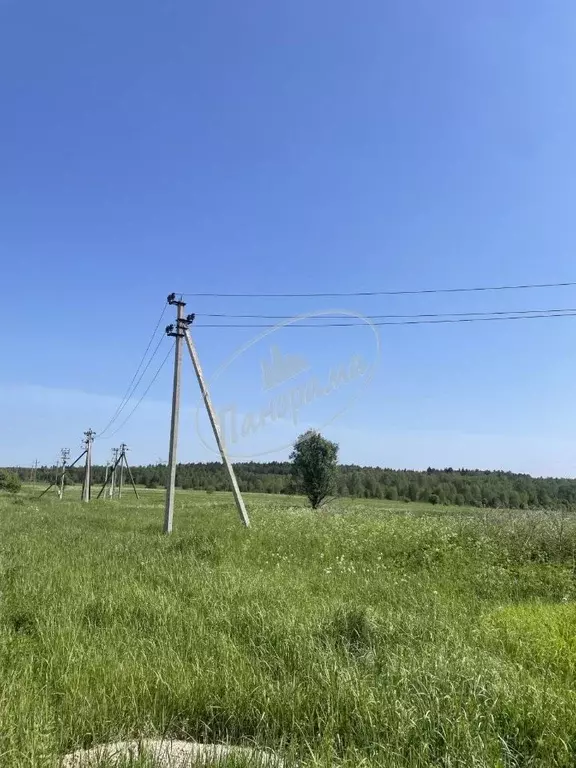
<point>114,479</point>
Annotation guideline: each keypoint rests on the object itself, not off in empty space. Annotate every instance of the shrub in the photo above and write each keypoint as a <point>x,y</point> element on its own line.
<point>9,481</point>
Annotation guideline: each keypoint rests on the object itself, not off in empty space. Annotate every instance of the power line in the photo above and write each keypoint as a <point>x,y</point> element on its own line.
<point>387,317</point>
<point>131,389</point>
<point>385,293</point>
<point>385,322</point>
<point>133,411</point>
<point>130,392</point>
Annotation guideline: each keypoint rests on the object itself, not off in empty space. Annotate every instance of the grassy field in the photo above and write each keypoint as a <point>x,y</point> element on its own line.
<point>372,634</point>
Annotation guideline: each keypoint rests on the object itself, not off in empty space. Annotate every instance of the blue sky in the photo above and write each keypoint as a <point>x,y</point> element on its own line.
<point>149,147</point>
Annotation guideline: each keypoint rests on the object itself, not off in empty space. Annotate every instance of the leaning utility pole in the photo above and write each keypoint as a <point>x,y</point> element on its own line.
<point>214,422</point>
<point>178,332</point>
<point>64,455</point>
<point>89,435</point>
<point>112,474</point>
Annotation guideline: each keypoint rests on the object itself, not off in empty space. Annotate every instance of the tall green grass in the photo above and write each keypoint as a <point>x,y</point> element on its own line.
<point>365,635</point>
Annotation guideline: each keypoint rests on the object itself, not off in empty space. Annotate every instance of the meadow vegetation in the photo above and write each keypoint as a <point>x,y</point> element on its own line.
<point>371,633</point>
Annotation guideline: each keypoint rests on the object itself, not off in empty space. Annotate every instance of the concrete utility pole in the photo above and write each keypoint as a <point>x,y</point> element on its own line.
<point>113,476</point>
<point>106,473</point>
<point>110,476</point>
<point>215,428</point>
<point>177,331</point>
<point>34,471</point>
<point>124,458</point>
<point>180,331</point>
<point>123,449</point>
<point>89,435</point>
<point>70,467</point>
<point>120,458</point>
<point>65,455</point>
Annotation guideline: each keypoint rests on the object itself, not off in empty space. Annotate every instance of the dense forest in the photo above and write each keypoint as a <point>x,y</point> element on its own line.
<point>439,486</point>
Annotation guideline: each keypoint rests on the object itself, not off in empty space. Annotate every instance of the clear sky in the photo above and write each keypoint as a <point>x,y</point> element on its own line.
<point>149,147</point>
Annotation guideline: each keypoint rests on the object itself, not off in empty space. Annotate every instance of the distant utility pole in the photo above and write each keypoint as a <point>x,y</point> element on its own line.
<point>107,470</point>
<point>69,467</point>
<point>89,435</point>
<point>178,332</point>
<point>124,464</point>
<point>115,460</point>
<point>119,459</point>
<point>64,455</point>
<point>34,472</point>
<point>123,449</point>
<point>111,475</point>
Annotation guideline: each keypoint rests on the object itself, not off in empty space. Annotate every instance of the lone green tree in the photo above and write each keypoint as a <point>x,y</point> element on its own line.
<point>9,481</point>
<point>314,466</point>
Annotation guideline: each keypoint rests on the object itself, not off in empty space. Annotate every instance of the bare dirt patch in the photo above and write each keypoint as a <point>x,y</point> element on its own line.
<point>170,754</point>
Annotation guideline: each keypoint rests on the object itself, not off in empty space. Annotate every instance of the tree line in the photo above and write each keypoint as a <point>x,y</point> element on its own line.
<point>469,487</point>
